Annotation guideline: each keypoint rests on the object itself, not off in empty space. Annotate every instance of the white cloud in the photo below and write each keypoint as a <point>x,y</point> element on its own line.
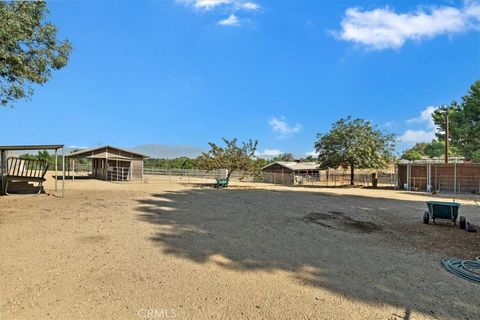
<point>425,117</point>
<point>232,21</point>
<point>385,29</point>
<point>248,6</point>
<point>312,153</point>
<point>427,131</point>
<point>280,126</point>
<point>229,5</point>
<point>204,4</point>
<point>414,136</point>
<point>210,4</point>
<point>388,124</point>
<point>270,153</point>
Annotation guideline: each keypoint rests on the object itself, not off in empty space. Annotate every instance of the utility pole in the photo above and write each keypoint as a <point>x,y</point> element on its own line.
<point>446,139</point>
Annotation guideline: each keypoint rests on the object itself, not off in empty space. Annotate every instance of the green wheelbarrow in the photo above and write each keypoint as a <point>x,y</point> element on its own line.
<point>443,211</point>
<point>221,183</point>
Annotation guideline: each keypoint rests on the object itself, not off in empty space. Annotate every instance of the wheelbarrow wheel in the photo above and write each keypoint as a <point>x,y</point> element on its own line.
<point>426,217</point>
<point>463,223</point>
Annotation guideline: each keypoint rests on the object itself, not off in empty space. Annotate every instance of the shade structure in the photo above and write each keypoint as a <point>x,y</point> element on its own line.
<point>29,147</point>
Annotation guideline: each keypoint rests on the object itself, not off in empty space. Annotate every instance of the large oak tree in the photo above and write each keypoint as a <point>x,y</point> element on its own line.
<point>29,49</point>
<point>356,143</point>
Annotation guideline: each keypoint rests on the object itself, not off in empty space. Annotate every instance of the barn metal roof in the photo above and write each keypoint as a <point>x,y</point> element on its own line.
<point>295,166</point>
<point>86,152</point>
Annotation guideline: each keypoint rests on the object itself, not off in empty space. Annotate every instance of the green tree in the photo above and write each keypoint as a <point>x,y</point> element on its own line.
<point>411,155</point>
<point>175,163</point>
<point>356,143</point>
<point>434,149</point>
<point>464,123</point>
<point>29,49</point>
<point>259,163</point>
<point>431,150</point>
<point>231,157</point>
<point>309,158</point>
<point>284,157</point>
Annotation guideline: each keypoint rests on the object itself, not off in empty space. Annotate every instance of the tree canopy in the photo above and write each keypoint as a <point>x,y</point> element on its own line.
<point>29,49</point>
<point>231,157</point>
<point>284,157</point>
<point>175,163</point>
<point>356,143</point>
<point>464,123</point>
<point>433,149</point>
<point>411,155</point>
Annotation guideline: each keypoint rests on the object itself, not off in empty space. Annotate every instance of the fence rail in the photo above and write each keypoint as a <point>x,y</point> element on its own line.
<point>183,174</point>
<point>327,179</point>
<point>118,174</point>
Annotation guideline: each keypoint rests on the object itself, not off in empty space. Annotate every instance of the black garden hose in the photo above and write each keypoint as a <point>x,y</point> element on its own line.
<point>466,269</point>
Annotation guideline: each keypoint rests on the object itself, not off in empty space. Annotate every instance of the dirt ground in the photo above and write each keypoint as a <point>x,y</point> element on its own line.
<point>162,250</point>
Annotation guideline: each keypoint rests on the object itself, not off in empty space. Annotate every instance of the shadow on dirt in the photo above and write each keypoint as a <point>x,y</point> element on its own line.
<point>363,248</point>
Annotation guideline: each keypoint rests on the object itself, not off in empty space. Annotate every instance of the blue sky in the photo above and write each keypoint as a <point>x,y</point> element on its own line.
<point>192,71</point>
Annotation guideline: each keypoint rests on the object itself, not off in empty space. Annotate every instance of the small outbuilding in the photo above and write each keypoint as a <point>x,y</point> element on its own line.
<point>111,163</point>
<point>284,172</point>
<point>292,167</point>
<point>438,176</point>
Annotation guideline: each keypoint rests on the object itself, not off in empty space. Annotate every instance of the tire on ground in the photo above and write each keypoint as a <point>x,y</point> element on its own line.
<point>463,223</point>
<point>426,217</point>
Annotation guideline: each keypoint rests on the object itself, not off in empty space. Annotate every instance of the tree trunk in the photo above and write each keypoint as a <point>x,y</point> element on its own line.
<point>229,173</point>
<point>352,174</point>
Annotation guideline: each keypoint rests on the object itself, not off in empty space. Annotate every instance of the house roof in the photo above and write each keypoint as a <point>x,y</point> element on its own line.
<point>87,152</point>
<point>295,166</point>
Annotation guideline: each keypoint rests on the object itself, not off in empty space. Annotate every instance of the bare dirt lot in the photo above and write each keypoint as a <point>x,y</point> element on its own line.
<point>160,250</point>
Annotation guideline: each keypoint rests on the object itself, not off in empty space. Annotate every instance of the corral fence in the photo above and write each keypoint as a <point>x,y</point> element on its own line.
<point>193,175</point>
<point>323,178</point>
<point>439,177</point>
<point>118,174</point>
<point>82,168</point>
<point>328,179</point>
<point>184,175</point>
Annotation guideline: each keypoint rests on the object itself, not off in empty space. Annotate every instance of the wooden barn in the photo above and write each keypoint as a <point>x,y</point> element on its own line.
<point>284,172</point>
<point>111,163</point>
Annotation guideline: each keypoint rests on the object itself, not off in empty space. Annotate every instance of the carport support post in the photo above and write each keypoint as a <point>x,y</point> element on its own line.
<point>3,169</point>
<point>73,170</point>
<point>63,172</point>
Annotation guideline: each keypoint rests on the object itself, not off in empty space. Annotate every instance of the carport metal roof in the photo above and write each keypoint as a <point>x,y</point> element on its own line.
<point>32,147</point>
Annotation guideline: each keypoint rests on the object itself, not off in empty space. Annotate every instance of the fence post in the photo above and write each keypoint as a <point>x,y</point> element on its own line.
<point>454,178</point>
<point>409,172</point>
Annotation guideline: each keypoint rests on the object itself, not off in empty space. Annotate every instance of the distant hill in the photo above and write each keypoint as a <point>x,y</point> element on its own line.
<point>166,151</point>
<point>151,150</point>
